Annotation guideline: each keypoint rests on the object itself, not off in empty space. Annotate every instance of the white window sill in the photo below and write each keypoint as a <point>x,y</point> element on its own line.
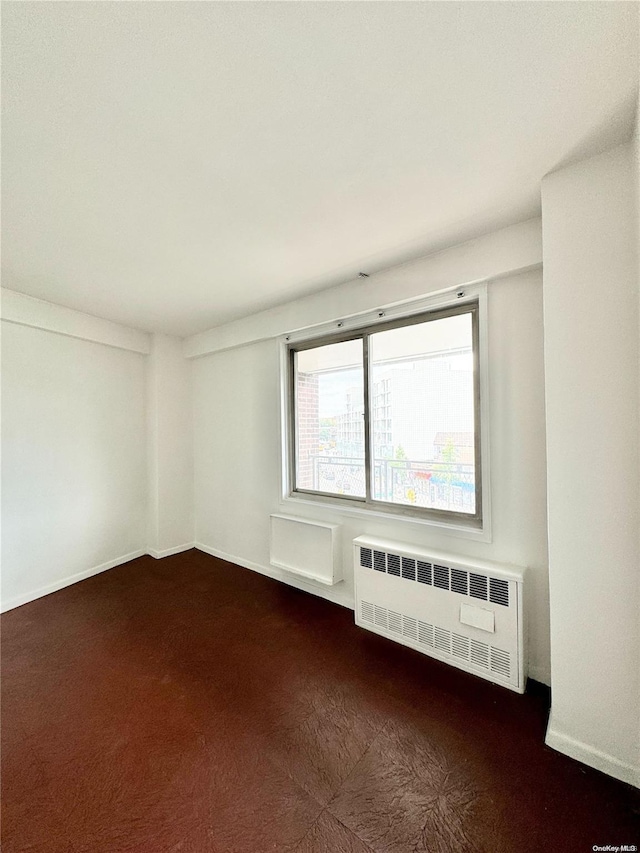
<point>459,531</point>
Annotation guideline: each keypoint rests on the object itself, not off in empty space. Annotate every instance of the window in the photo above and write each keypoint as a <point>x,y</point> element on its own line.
<point>388,416</point>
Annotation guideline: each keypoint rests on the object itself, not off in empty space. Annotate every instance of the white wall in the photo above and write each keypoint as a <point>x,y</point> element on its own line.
<point>491,256</point>
<point>169,448</point>
<point>237,430</point>
<point>592,395</point>
<point>73,452</point>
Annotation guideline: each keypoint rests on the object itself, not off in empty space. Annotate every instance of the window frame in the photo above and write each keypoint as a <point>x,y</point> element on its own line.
<point>473,305</point>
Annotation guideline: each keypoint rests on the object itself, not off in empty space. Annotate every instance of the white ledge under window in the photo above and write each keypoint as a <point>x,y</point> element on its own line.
<point>459,531</point>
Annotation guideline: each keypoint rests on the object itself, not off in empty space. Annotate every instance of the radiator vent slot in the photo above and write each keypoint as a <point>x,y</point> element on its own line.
<point>441,576</point>
<point>366,611</point>
<point>395,622</point>
<point>425,633</point>
<point>479,654</point>
<point>408,569</point>
<point>500,662</point>
<point>366,558</point>
<point>459,581</point>
<point>499,591</point>
<point>444,577</point>
<point>442,640</point>
<point>379,561</point>
<point>424,572</point>
<point>448,643</point>
<point>478,586</point>
<point>410,627</point>
<point>460,646</point>
<point>380,616</point>
<point>393,564</point>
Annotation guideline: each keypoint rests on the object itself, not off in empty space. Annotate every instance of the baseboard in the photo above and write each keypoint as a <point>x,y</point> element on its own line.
<point>25,598</point>
<point>169,552</point>
<point>590,756</point>
<point>334,594</point>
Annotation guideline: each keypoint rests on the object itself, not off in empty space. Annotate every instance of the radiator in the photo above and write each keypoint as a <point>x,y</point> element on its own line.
<point>465,612</point>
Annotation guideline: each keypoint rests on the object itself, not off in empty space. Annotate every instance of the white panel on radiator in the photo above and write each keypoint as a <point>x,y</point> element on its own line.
<point>478,617</point>
<point>465,612</point>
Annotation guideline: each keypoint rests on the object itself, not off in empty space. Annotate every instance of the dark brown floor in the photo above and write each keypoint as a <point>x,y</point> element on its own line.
<point>190,705</point>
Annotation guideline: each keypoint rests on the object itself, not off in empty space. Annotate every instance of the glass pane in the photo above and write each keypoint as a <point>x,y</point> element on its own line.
<point>422,415</point>
<point>330,419</point>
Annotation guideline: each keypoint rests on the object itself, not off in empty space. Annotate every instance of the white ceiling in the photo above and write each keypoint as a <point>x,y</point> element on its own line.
<point>172,166</point>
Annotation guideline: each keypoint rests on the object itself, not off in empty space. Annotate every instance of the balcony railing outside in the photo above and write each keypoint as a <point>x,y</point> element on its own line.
<point>433,485</point>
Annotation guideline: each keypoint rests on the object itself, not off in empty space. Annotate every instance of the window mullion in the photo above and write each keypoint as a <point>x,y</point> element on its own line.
<point>477,401</point>
<point>293,423</point>
<point>367,418</point>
